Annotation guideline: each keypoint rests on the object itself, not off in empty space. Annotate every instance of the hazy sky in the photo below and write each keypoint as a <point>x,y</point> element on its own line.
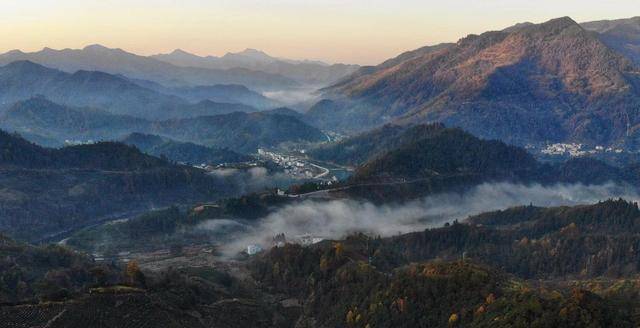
<point>352,31</point>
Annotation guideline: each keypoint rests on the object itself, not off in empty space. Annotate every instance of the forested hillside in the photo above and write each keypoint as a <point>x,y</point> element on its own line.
<point>46,192</point>
<point>408,162</point>
<point>183,152</point>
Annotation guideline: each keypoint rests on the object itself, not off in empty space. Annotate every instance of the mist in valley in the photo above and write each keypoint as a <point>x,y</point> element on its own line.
<point>336,219</point>
<point>294,97</point>
<point>254,179</point>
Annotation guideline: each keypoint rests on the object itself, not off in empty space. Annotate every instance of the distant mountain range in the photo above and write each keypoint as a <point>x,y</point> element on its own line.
<point>41,119</point>
<point>118,61</point>
<point>307,72</point>
<point>24,79</point>
<point>532,83</point>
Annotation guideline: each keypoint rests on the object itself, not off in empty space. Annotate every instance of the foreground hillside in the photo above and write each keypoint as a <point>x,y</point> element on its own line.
<point>54,286</point>
<point>47,192</point>
<point>373,282</point>
<point>521,267</point>
<point>554,81</point>
<point>345,291</point>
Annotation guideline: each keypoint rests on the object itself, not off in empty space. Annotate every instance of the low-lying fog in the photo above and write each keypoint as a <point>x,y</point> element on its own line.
<point>254,179</point>
<point>294,97</point>
<point>338,218</point>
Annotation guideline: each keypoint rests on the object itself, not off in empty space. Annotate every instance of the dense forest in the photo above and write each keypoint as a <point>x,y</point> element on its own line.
<point>342,289</point>
<point>46,192</point>
<point>42,285</point>
<point>511,268</point>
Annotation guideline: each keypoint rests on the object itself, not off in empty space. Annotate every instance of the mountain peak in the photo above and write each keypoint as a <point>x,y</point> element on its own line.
<point>565,22</point>
<point>253,54</point>
<point>556,25</point>
<point>251,51</point>
<point>181,52</point>
<point>517,27</point>
<point>96,47</point>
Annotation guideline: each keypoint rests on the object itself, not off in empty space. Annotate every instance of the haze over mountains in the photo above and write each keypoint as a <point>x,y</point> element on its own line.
<point>118,61</point>
<point>558,81</point>
<point>309,72</point>
<point>101,94</point>
<point>250,68</point>
<point>24,79</point>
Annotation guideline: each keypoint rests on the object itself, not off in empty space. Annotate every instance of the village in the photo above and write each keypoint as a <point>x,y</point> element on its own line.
<point>575,150</point>
<point>298,167</point>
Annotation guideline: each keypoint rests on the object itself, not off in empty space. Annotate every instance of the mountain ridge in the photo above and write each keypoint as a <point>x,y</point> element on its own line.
<point>22,80</point>
<point>559,78</point>
<point>304,71</point>
<point>228,129</point>
<point>118,61</point>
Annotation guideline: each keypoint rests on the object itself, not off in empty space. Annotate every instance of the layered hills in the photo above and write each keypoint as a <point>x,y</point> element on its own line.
<point>449,276</point>
<point>120,62</point>
<point>23,79</point>
<point>224,125</point>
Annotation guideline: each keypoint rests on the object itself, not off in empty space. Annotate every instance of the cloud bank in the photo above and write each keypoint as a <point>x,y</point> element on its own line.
<point>338,218</point>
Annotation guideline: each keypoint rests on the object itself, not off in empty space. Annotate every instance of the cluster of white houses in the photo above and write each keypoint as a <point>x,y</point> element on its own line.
<point>292,165</point>
<point>577,150</point>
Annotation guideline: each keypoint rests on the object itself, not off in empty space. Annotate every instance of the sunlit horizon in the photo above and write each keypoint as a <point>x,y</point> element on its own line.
<point>357,32</point>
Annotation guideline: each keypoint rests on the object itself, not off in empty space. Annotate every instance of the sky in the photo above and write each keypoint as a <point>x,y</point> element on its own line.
<point>348,31</point>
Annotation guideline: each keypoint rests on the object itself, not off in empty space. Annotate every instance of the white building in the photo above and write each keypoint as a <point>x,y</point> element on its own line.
<point>254,249</point>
